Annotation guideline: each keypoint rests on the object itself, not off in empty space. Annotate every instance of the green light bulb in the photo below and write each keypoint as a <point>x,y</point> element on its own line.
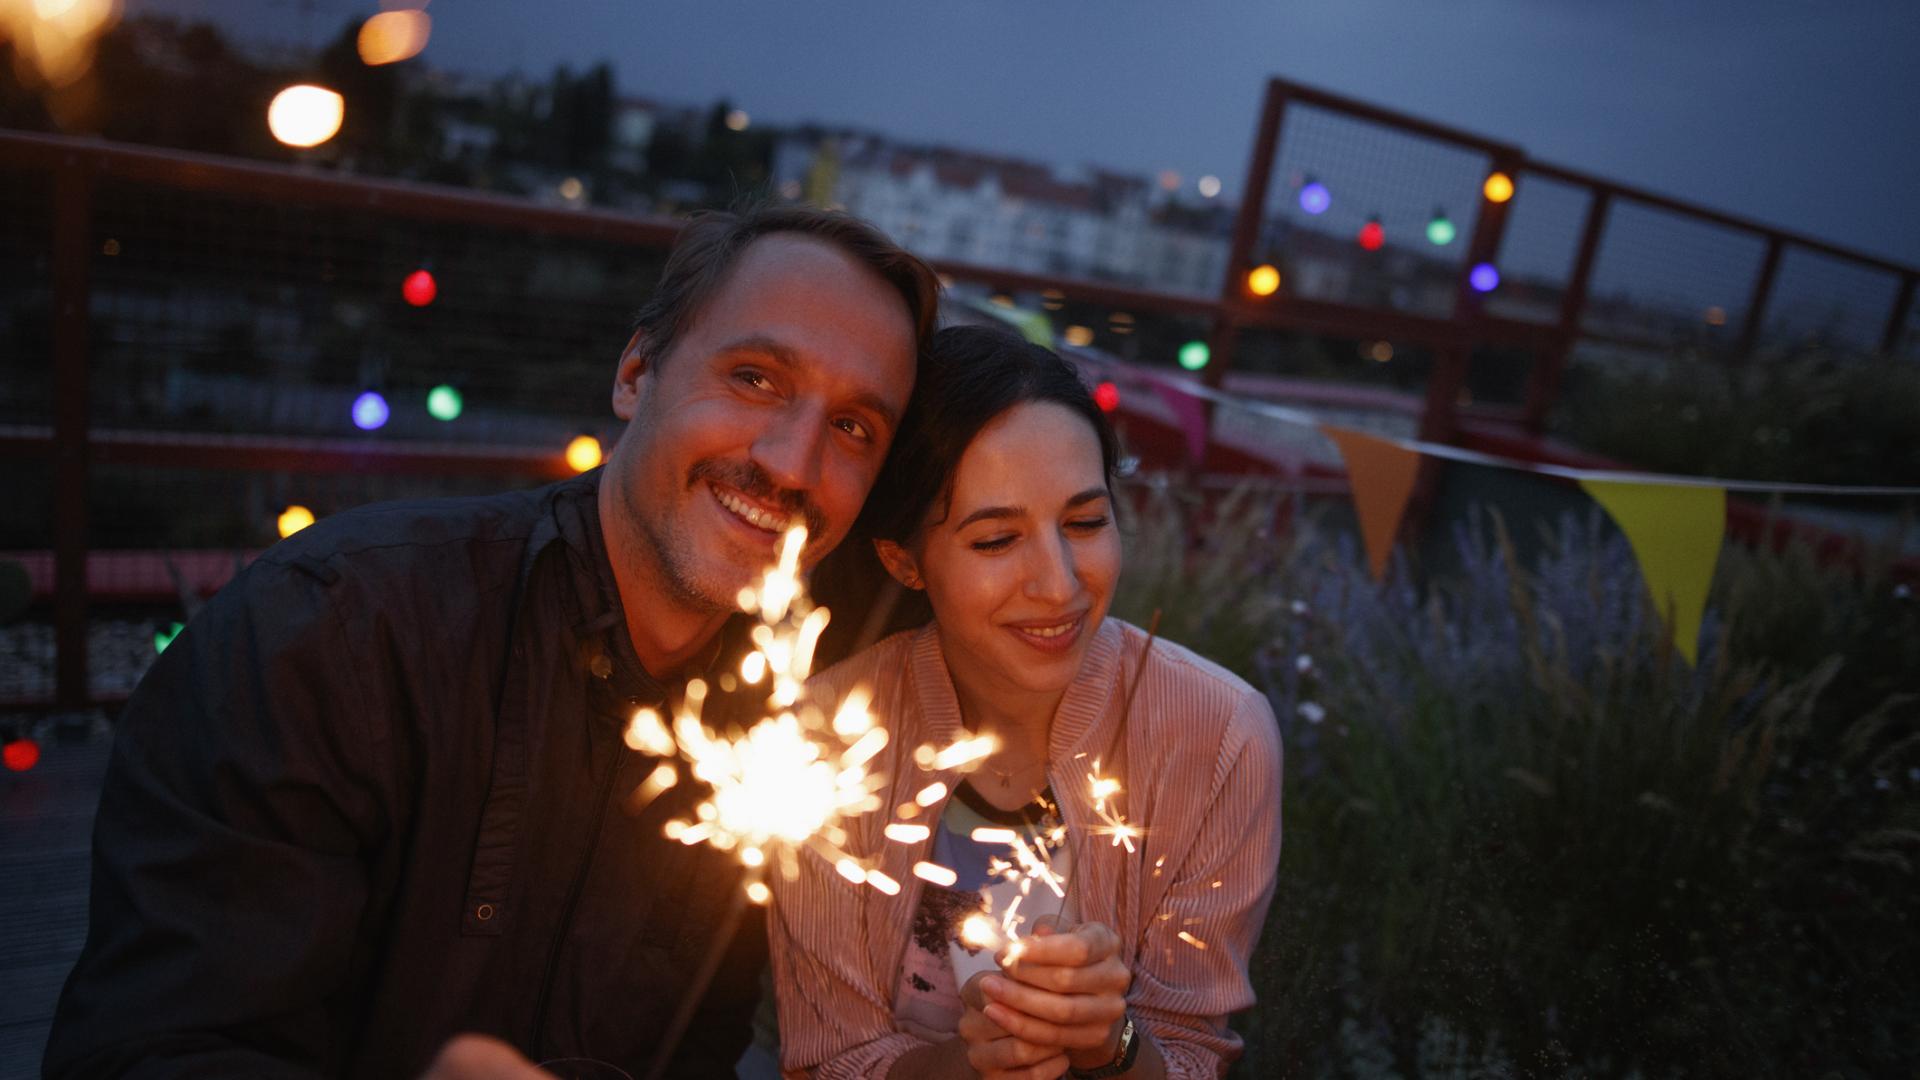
<point>1440,231</point>
<point>443,402</point>
<point>1194,355</point>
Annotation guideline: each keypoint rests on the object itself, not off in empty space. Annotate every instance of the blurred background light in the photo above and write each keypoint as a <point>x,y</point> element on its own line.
<point>52,40</point>
<point>419,289</point>
<point>1498,188</point>
<point>1440,231</point>
<point>393,36</point>
<point>1315,198</point>
<point>1263,280</point>
<point>1484,278</point>
<point>1209,186</point>
<point>583,453</point>
<point>1194,355</point>
<point>21,755</point>
<point>738,120</point>
<point>1107,396</point>
<point>304,115</point>
<point>444,403</point>
<point>370,411</point>
<point>1373,235</point>
<point>293,519</point>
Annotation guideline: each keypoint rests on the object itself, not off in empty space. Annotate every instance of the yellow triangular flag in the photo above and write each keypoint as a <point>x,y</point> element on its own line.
<point>1381,475</point>
<point>1676,532</point>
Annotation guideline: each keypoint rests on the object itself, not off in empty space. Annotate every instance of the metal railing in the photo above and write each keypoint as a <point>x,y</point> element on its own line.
<point>106,312</point>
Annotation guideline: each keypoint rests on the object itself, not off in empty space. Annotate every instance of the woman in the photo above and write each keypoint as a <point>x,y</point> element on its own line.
<point>997,504</point>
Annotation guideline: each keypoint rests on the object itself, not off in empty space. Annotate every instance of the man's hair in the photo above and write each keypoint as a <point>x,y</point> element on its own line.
<point>711,243</point>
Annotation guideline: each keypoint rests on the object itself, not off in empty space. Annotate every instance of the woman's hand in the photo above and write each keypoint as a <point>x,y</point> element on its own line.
<point>993,1052</point>
<point>1065,990</point>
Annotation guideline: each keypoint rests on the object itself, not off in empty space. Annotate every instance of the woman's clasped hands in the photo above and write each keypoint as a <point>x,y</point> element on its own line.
<point>1061,1003</point>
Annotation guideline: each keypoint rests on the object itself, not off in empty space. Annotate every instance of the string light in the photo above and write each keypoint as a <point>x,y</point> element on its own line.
<point>370,411</point>
<point>1209,186</point>
<point>1440,231</point>
<point>1315,198</point>
<point>393,36</point>
<point>1107,396</point>
<point>444,403</point>
<point>21,755</point>
<point>304,115</point>
<point>583,453</point>
<point>1263,280</point>
<point>1498,188</point>
<point>1484,278</point>
<point>1194,355</point>
<point>1373,235</point>
<point>419,289</point>
<point>293,519</point>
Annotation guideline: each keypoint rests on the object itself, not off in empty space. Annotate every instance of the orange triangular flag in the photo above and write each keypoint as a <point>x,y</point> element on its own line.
<point>1676,531</point>
<point>1381,474</point>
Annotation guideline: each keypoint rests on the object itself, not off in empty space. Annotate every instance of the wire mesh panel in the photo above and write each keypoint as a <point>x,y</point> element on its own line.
<point>228,315</point>
<point>1818,299</point>
<point>26,297</point>
<point>1538,248</point>
<point>1666,277</point>
<point>1360,213</point>
<point>140,507</point>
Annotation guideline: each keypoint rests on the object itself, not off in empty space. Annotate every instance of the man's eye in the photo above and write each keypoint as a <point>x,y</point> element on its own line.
<point>854,428</point>
<point>1094,524</point>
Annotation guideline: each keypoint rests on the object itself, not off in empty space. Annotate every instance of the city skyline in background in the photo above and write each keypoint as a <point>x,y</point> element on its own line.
<point>1698,103</point>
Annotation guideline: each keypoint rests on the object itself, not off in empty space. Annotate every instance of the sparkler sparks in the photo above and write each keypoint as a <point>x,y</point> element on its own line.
<point>790,781</point>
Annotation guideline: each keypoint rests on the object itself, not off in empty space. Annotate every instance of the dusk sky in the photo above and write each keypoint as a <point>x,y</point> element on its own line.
<point>1801,113</point>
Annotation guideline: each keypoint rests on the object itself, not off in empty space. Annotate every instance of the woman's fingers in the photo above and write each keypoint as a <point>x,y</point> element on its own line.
<point>1041,1004</point>
<point>1008,1054</point>
<point>1103,977</point>
<point>1050,1069</point>
<point>1019,1025</point>
<point>1088,943</point>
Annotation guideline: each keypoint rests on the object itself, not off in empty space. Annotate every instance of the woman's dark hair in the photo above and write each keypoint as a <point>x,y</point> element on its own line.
<point>969,377</point>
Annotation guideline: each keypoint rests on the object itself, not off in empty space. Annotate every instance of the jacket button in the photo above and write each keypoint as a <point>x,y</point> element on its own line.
<point>483,912</point>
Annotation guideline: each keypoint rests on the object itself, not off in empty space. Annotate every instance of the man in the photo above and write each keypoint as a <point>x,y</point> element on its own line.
<point>375,795</point>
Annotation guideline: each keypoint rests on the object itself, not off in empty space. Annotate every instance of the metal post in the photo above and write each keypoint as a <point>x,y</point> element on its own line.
<point>72,252</point>
<point>1757,306</point>
<point>1543,388</point>
<point>1902,310</point>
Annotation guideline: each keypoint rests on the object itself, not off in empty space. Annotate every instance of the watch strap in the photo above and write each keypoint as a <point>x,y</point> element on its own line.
<point>1123,1060</point>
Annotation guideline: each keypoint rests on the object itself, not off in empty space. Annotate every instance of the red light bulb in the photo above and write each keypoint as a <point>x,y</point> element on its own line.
<point>419,288</point>
<point>1107,396</point>
<point>1373,235</point>
<point>21,755</point>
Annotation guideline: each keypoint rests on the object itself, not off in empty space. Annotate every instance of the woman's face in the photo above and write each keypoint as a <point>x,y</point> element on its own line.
<point>1021,567</point>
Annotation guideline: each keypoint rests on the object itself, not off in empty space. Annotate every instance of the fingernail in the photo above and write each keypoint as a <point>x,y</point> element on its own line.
<point>992,984</point>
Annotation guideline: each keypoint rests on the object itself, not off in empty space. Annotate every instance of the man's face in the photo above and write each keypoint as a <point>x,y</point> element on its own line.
<point>776,405</point>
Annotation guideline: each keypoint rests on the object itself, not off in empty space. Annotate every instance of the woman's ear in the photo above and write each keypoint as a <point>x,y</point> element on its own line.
<point>900,563</point>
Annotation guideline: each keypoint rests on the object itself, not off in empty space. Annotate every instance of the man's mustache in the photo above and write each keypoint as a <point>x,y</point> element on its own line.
<point>751,479</point>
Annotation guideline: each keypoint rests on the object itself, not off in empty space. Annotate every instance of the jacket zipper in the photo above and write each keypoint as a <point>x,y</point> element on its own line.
<point>538,1041</point>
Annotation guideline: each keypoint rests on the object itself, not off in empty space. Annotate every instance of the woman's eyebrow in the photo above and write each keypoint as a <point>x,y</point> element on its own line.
<point>990,512</point>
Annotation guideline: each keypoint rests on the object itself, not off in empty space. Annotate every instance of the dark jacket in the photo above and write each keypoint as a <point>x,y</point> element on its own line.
<point>376,794</point>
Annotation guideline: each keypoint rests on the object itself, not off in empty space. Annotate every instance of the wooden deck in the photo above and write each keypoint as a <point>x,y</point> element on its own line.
<point>46,823</point>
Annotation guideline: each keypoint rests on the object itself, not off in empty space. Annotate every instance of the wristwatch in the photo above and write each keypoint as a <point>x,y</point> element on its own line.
<point>1122,1062</point>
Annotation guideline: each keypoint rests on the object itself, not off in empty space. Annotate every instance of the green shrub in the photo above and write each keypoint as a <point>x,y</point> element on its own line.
<point>1524,838</point>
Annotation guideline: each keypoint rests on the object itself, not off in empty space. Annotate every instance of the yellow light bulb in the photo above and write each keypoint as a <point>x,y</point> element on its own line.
<point>583,453</point>
<point>1263,280</point>
<point>1498,188</point>
<point>305,115</point>
<point>293,519</point>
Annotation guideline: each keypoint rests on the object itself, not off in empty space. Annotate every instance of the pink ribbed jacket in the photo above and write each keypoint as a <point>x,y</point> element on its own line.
<point>1202,774</point>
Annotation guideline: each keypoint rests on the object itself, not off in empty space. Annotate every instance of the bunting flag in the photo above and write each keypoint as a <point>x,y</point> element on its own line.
<point>1190,413</point>
<point>1381,474</point>
<point>1675,531</point>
